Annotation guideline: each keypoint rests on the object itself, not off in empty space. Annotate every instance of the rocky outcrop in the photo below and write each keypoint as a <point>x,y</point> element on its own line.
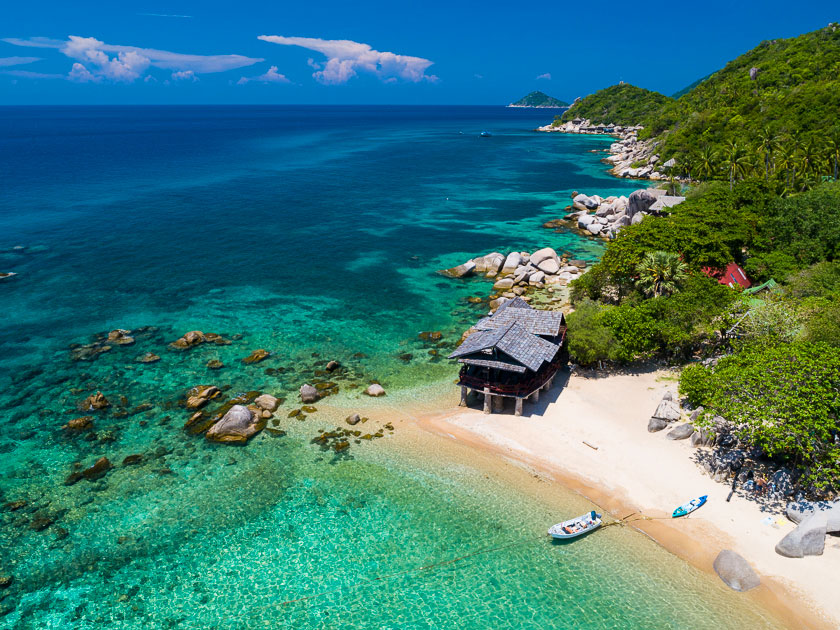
<point>735,572</point>
<point>200,395</point>
<point>376,390</point>
<point>94,402</point>
<point>461,271</point>
<point>79,424</point>
<point>120,337</point>
<point>815,520</point>
<point>668,409</point>
<point>149,357</point>
<point>640,201</point>
<point>237,426</point>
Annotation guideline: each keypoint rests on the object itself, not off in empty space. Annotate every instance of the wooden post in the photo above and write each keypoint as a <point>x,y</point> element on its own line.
<point>464,393</point>
<point>498,403</point>
<point>518,411</point>
<point>537,395</point>
<point>487,400</point>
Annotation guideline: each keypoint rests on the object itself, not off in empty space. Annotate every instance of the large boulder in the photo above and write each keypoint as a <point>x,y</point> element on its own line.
<point>800,510</point>
<point>638,218</point>
<point>668,409</point>
<point>513,260</point>
<point>536,278</point>
<point>808,539</point>
<point>735,572</point>
<point>489,264</point>
<point>702,437</point>
<point>376,390</point>
<point>503,284</point>
<point>267,402</point>
<point>308,393</point>
<point>656,424</point>
<point>236,426</point>
<point>584,220</point>
<point>782,484</point>
<point>549,266</point>
<point>590,203</point>
<point>595,228</point>
<point>543,254</point>
<point>681,432</point>
<point>461,271</point>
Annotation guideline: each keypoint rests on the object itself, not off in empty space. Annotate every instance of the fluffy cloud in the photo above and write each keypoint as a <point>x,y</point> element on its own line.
<point>271,76</point>
<point>345,59</point>
<point>546,76</point>
<point>184,75</point>
<point>17,61</point>
<point>97,61</point>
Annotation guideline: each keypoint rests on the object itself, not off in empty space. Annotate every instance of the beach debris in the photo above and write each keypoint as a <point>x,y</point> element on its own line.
<point>267,402</point>
<point>149,357</point>
<point>256,356</point>
<point>237,426</point>
<point>735,571</point>
<point>375,390</point>
<point>308,393</point>
<point>120,337</point>
<point>592,446</point>
<point>354,419</point>
<point>681,432</point>
<point>79,424</point>
<point>94,402</point>
<point>195,338</point>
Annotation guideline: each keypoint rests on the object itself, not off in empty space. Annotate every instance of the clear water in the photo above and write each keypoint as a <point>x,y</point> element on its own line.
<point>313,233</point>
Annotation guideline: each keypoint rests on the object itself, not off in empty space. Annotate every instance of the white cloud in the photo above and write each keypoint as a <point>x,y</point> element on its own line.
<point>26,74</point>
<point>546,76</point>
<point>345,59</point>
<point>98,61</point>
<point>271,76</point>
<point>184,75</point>
<point>17,61</point>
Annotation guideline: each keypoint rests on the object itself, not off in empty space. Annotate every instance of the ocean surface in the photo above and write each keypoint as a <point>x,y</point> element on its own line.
<point>313,233</point>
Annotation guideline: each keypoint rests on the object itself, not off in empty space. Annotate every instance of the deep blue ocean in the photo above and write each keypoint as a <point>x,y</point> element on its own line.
<point>314,233</point>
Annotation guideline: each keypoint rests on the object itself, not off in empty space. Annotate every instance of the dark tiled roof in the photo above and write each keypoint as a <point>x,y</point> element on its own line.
<point>514,340</point>
<point>547,323</point>
<point>501,365</point>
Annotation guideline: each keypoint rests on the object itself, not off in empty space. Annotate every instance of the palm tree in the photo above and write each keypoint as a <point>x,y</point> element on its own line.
<point>706,162</point>
<point>786,161</point>
<point>809,155</point>
<point>736,160</point>
<point>834,150</point>
<point>660,273</point>
<point>767,142</point>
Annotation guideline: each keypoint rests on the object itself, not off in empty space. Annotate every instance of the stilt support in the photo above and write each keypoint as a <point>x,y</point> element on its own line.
<point>464,392</point>
<point>487,400</point>
<point>518,411</point>
<point>536,396</point>
<point>498,403</point>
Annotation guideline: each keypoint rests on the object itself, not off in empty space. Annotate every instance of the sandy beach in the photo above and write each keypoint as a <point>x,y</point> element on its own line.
<point>589,433</point>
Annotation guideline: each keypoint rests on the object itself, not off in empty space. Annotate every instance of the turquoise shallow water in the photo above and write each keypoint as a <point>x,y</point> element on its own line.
<point>313,233</point>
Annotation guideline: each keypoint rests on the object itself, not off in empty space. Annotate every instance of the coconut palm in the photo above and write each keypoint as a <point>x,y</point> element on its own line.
<point>660,273</point>
<point>834,150</point>
<point>767,143</point>
<point>809,155</point>
<point>786,161</point>
<point>737,161</point>
<point>706,162</point>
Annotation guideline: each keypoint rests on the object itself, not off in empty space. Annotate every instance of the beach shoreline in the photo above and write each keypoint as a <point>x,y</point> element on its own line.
<point>802,598</point>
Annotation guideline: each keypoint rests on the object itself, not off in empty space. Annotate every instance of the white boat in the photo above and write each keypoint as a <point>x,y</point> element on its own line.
<point>576,526</point>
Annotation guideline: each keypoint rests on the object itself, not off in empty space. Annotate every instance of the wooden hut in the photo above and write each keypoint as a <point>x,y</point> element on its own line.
<point>513,353</point>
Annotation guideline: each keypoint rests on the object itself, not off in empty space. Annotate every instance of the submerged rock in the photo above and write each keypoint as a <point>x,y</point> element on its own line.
<point>332,366</point>
<point>308,394</point>
<point>735,572</point>
<point>94,402</point>
<point>215,364</point>
<point>200,395</point>
<point>256,356</point>
<point>354,419</point>
<point>149,357</point>
<point>120,337</point>
<point>266,402</point>
<point>237,426</point>
<point>461,271</point>
<point>375,390</point>
<point>79,424</point>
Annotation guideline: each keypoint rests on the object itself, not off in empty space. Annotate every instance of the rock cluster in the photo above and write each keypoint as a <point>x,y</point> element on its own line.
<point>814,520</point>
<point>605,217</point>
<point>238,425</point>
<point>515,272</point>
<point>196,338</point>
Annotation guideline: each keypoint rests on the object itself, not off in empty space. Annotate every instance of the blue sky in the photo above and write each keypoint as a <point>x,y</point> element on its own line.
<point>431,52</point>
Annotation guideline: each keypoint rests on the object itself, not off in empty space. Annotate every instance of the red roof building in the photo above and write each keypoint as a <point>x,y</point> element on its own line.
<point>732,276</point>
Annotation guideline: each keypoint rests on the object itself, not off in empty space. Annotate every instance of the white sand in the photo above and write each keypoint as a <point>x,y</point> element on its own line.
<point>636,470</point>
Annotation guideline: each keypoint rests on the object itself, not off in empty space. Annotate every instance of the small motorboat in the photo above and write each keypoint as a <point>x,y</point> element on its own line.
<point>688,508</point>
<point>576,526</point>
<point>485,134</point>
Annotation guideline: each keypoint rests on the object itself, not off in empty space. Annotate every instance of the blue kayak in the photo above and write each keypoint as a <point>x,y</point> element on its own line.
<point>688,508</point>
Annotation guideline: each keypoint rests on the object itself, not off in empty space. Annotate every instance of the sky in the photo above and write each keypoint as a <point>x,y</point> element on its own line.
<point>383,52</point>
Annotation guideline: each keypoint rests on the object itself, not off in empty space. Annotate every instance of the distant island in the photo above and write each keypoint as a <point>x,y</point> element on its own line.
<point>538,99</point>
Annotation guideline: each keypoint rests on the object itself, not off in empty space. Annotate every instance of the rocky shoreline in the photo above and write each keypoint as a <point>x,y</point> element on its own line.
<point>629,156</point>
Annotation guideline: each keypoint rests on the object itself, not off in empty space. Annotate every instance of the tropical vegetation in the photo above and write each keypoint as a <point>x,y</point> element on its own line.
<point>621,104</point>
<point>539,99</point>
